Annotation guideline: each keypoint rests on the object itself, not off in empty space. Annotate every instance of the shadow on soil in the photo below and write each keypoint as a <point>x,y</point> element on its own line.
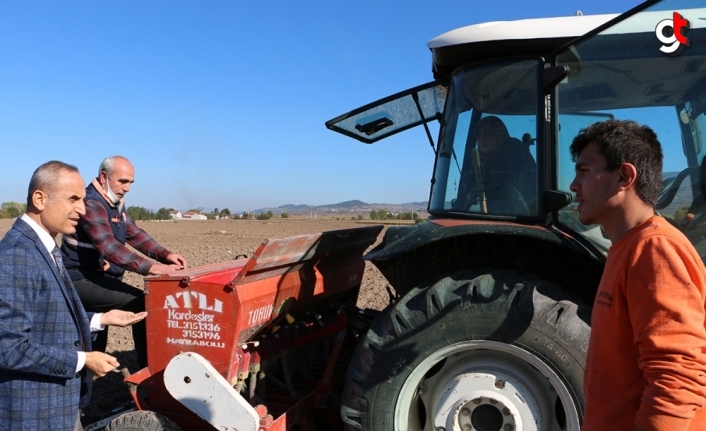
<point>110,392</point>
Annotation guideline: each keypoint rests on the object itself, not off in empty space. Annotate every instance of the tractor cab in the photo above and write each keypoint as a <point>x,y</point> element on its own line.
<point>510,96</point>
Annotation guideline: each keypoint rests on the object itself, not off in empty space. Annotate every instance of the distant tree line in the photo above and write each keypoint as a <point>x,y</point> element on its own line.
<point>265,216</point>
<point>16,209</point>
<point>12,209</point>
<point>225,212</point>
<point>142,213</point>
<point>386,215</point>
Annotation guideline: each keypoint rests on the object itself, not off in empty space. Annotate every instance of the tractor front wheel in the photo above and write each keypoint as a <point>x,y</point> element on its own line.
<point>497,351</point>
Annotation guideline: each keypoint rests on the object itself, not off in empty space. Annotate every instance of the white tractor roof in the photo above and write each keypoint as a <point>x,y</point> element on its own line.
<point>537,28</point>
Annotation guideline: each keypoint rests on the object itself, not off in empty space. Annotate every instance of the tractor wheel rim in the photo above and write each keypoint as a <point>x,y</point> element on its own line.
<point>485,386</point>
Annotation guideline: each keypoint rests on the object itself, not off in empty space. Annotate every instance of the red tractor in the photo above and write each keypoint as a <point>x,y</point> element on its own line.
<point>490,323</point>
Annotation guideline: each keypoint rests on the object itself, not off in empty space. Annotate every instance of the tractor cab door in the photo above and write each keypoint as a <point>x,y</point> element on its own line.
<point>393,114</point>
<point>647,65</point>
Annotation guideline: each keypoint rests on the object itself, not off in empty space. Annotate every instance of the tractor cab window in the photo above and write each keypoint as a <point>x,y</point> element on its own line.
<point>637,70</point>
<point>487,158</point>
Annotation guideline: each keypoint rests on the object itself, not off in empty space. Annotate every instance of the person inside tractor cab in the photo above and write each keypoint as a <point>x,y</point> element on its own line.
<point>505,171</point>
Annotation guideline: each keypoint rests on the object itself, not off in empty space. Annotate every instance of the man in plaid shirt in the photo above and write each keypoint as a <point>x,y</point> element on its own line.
<point>96,256</point>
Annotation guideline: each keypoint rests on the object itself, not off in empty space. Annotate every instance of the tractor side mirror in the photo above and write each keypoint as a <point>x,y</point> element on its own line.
<point>555,200</point>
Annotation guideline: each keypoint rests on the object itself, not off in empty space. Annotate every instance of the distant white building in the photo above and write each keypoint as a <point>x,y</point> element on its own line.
<point>175,214</point>
<point>193,215</point>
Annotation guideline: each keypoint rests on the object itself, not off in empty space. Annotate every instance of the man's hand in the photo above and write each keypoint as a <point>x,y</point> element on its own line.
<point>160,268</point>
<point>100,363</point>
<point>177,259</point>
<point>121,318</point>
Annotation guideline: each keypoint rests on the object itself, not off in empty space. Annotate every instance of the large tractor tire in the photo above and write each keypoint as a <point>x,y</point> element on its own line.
<point>142,420</point>
<point>496,351</point>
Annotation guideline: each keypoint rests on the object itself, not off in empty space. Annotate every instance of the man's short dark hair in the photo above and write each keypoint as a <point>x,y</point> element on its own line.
<point>46,176</point>
<point>625,141</point>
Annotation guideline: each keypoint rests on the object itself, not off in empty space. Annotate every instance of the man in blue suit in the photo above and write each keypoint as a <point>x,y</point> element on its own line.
<point>46,366</point>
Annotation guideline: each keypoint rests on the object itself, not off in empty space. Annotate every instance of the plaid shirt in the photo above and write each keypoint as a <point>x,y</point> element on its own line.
<point>97,225</point>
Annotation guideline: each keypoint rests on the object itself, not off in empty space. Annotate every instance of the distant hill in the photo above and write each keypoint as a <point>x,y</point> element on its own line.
<point>291,208</point>
<point>348,207</point>
<point>341,205</point>
<point>349,204</point>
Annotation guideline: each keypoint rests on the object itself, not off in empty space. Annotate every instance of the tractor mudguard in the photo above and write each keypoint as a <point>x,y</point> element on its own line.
<point>411,255</point>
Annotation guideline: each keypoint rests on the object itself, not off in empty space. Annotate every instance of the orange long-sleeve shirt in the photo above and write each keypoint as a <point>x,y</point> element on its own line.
<point>646,363</point>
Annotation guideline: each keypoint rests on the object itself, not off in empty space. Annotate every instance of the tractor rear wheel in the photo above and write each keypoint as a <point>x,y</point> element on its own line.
<point>142,420</point>
<point>497,351</point>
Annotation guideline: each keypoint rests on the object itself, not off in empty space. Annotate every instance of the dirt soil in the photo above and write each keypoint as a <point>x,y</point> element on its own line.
<point>206,242</point>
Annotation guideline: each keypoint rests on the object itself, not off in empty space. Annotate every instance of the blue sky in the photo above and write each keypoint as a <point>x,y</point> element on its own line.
<point>223,103</point>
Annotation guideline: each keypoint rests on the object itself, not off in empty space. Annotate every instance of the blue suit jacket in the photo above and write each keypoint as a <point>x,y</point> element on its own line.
<point>42,326</point>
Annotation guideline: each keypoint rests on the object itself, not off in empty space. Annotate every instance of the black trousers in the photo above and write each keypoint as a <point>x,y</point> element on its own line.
<point>100,293</point>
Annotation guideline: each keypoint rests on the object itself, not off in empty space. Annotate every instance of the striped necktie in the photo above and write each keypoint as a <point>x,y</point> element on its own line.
<point>59,263</point>
<point>67,282</point>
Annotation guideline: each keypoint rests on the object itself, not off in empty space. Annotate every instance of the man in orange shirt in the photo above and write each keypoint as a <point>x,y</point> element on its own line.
<point>646,363</point>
